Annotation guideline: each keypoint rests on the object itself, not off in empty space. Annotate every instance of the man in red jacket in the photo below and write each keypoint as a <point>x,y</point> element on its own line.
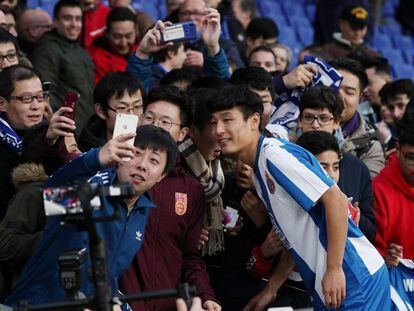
<point>110,52</point>
<point>94,21</point>
<point>394,202</point>
<point>169,253</point>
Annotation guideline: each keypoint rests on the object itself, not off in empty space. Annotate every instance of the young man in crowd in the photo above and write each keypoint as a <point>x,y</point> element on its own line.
<point>117,92</point>
<point>261,31</point>
<point>360,137</point>
<point>214,59</point>
<point>110,52</point>
<point>169,253</point>
<point>394,201</point>
<point>309,212</point>
<point>320,110</point>
<point>263,56</point>
<point>353,25</point>
<point>62,61</point>
<point>151,158</point>
<point>396,96</point>
<point>259,81</point>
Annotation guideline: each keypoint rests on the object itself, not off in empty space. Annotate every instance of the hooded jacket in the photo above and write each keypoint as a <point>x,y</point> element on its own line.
<point>394,209</point>
<point>21,228</point>
<point>70,69</point>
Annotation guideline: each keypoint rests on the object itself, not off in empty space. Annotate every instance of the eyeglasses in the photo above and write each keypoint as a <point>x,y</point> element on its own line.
<point>11,57</point>
<point>28,98</point>
<point>165,123</point>
<point>127,110</point>
<point>322,119</point>
<point>408,157</point>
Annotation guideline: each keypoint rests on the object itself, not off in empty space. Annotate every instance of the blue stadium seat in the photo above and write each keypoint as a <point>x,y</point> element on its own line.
<point>402,71</point>
<point>408,57</point>
<point>381,41</point>
<point>311,11</point>
<point>151,9</point>
<point>305,35</point>
<point>278,18</point>
<point>287,34</point>
<point>403,42</point>
<point>394,56</point>
<point>392,28</point>
<point>300,21</point>
<point>46,5</point>
<point>292,9</point>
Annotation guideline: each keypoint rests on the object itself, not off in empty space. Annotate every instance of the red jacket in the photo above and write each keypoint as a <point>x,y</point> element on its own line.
<point>106,60</point>
<point>94,24</point>
<point>169,252</point>
<point>394,209</point>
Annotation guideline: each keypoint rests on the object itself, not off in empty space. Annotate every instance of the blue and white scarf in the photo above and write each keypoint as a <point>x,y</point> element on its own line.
<point>9,137</point>
<point>286,106</point>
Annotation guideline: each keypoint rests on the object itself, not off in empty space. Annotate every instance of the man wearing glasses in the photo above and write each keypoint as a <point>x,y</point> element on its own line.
<point>22,105</point>
<point>394,202</point>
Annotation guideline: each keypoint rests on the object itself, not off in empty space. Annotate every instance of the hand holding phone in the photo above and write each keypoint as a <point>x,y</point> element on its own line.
<point>125,124</point>
<point>71,100</point>
<point>179,32</point>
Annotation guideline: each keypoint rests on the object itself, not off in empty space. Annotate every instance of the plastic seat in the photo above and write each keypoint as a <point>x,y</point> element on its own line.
<point>382,41</point>
<point>394,56</point>
<point>287,34</point>
<point>403,42</point>
<point>305,35</point>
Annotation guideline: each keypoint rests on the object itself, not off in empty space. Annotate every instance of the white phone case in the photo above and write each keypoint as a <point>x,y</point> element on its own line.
<point>125,124</point>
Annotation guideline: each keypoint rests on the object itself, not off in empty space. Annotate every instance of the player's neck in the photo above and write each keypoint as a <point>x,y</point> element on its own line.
<point>248,154</point>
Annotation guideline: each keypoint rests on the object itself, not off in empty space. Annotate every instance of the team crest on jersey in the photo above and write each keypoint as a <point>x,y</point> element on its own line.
<point>180,203</point>
<point>270,183</point>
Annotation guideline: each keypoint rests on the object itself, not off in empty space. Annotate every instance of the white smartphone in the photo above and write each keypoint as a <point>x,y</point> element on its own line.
<point>125,124</point>
<point>232,216</point>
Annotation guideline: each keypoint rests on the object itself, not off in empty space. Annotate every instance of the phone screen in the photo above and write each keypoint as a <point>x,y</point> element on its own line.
<point>71,100</point>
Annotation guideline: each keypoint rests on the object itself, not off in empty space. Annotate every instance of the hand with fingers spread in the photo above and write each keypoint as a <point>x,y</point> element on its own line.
<point>151,42</point>
<point>301,76</point>
<point>60,125</point>
<point>211,31</point>
<point>116,149</point>
<point>334,287</point>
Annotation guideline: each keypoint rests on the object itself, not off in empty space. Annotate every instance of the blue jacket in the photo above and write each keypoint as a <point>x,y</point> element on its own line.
<point>39,282</point>
<point>150,75</point>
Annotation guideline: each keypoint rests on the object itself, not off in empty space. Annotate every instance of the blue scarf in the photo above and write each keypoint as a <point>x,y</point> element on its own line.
<point>9,137</point>
<point>286,111</point>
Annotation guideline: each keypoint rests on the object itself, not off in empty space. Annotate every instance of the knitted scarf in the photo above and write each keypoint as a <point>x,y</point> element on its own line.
<point>211,177</point>
<point>9,137</point>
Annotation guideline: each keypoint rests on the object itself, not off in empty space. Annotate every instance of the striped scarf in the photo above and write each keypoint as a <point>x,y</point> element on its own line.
<point>211,177</point>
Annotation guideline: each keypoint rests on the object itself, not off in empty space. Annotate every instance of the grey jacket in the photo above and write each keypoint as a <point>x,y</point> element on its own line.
<point>365,145</point>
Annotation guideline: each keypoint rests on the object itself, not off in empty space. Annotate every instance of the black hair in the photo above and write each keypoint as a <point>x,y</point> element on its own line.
<point>161,55</point>
<point>317,51</point>
<point>6,37</point>
<point>64,3</point>
<point>380,64</point>
<point>119,15</point>
<point>249,6</point>
<point>12,74</point>
<point>176,97</point>
<point>209,82</point>
<point>262,48</point>
<point>406,135</point>
<point>202,98</point>
<point>186,75</point>
<point>317,142</point>
<point>255,78</point>
<point>401,86</point>
<point>115,83</point>
<point>320,97</point>
<point>157,139</point>
<point>353,67</point>
<point>262,27</point>
<point>238,96</point>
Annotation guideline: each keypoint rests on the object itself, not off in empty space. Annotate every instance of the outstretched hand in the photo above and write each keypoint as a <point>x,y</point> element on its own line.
<point>151,42</point>
<point>116,149</point>
<point>211,31</point>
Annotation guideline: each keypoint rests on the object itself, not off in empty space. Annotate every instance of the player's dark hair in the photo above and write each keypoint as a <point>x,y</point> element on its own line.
<point>202,99</point>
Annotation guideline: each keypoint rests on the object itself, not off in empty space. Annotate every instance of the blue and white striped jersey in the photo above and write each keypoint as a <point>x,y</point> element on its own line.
<point>402,285</point>
<point>290,181</point>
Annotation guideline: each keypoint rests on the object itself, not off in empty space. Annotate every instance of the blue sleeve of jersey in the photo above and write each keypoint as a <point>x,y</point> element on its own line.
<point>79,169</point>
<point>299,173</point>
<point>217,65</point>
<point>141,69</point>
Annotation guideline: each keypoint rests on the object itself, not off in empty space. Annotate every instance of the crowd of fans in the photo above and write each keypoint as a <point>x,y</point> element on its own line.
<point>211,204</point>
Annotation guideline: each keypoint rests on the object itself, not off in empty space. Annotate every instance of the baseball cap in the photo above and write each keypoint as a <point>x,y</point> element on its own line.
<point>356,15</point>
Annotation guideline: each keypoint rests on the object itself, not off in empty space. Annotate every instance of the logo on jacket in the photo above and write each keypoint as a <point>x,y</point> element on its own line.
<point>180,203</point>
<point>270,183</point>
<point>138,235</point>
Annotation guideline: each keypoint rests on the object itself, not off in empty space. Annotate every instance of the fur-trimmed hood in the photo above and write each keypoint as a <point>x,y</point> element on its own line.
<point>27,173</point>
